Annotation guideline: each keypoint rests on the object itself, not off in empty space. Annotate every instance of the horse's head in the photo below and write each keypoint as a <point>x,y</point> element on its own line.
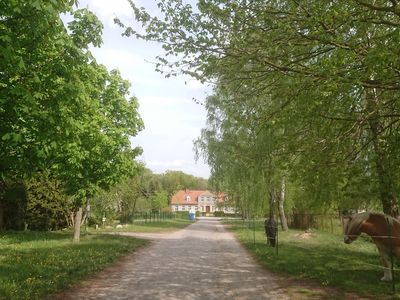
<point>352,226</point>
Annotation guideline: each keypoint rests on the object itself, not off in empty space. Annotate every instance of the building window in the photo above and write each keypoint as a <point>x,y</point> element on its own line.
<point>176,207</point>
<point>188,198</point>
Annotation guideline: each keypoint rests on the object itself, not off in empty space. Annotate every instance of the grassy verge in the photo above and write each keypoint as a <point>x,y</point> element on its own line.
<point>154,226</point>
<point>35,264</point>
<point>322,257</point>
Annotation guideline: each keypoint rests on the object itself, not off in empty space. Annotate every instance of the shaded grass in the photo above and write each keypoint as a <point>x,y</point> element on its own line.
<point>322,257</point>
<point>154,226</point>
<point>36,264</point>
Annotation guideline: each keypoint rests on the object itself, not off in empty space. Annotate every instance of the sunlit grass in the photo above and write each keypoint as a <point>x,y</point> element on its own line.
<point>154,226</point>
<point>321,257</point>
<point>36,264</point>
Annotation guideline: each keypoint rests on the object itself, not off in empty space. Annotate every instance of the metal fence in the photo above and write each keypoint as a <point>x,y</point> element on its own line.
<point>150,217</point>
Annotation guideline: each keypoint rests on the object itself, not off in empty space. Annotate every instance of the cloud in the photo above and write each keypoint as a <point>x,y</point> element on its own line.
<point>153,101</point>
<point>166,164</point>
<point>186,166</point>
<point>107,10</point>
<point>117,58</point>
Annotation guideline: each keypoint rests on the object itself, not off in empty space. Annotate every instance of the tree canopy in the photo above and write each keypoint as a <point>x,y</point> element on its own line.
<point>61,112</point>
<point>305,91</point>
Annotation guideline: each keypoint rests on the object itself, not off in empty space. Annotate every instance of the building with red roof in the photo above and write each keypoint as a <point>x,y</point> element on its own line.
<point>199,200</point>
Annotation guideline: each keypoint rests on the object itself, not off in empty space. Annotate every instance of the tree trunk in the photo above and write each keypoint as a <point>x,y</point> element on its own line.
<point>281,200</point>
<point>271,203</point>
<point>77,225</point>
<point>2,192</point>
<point>1,214</point>
<point>385,180</point>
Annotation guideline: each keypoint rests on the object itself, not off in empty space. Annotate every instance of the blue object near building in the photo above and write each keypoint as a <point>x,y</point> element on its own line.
<point>192,216</point>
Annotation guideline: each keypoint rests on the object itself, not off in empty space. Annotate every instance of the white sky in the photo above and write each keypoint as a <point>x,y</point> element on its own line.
<point>172,119</point>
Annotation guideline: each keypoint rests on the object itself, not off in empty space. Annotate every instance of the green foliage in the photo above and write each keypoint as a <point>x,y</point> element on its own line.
<point>304,94</point>
<point>173,181</point>
<point>37,264</point>
<point>143,192</point>
<point>159,200</point>
<point>48,208</point>
<point>60,110</point>
<point>219,214</point>
<point>184,215</point>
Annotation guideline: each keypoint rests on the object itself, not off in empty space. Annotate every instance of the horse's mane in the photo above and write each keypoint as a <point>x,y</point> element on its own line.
<point>357,219</point>
<point>391,220</point>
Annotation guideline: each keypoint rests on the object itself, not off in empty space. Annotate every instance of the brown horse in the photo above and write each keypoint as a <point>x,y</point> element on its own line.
<point>384,230</point>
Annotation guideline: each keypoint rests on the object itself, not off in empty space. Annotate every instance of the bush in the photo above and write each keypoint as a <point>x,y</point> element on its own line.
<point>182,214</point>
<point>48,208</point>
<point>219,214</point>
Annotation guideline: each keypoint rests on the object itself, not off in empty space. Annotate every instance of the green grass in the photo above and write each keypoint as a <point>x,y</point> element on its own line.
<point>322,257</point>
<point>35,264</point>
<point>154,226</point>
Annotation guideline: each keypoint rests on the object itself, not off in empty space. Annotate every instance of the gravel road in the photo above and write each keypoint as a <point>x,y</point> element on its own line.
<point>202,261</point>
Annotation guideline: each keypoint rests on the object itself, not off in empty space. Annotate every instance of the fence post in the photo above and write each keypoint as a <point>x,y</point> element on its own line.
<point>254,232</point>
<point>392,270</point>
<point>277,240</point>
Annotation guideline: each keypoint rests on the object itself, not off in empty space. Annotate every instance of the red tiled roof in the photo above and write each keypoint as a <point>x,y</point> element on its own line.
<point>180,197</point>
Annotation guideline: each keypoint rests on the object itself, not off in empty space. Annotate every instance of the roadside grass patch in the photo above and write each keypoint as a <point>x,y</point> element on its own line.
<point>320,256</point>
<point>36,264</point>
<point>151,227</point>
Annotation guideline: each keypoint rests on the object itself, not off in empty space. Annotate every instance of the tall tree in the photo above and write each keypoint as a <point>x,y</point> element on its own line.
<point>327,70</point>
<point>60,110</point>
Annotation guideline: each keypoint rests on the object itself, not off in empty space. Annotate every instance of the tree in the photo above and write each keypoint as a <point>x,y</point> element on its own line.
<point>61,111</point>
<point>324,71</point>
<point>159,200</point>
<point>102,153</point>
<point>32,40</point>
<point>172,181</point>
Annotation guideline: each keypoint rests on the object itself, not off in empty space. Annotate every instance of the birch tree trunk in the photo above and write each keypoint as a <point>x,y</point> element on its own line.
<point>385,180</point>
<point>1,215</point>
<point>2,191</point>
<point>77,225</point>
<point>281,200</point>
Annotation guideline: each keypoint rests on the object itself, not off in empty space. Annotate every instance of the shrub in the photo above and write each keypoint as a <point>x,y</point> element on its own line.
<point>48,208</point>
<point>219,214</point>
<point>182,214</point>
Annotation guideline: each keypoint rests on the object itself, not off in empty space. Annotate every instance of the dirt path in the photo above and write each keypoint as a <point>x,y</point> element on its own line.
<point>202,261</point>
